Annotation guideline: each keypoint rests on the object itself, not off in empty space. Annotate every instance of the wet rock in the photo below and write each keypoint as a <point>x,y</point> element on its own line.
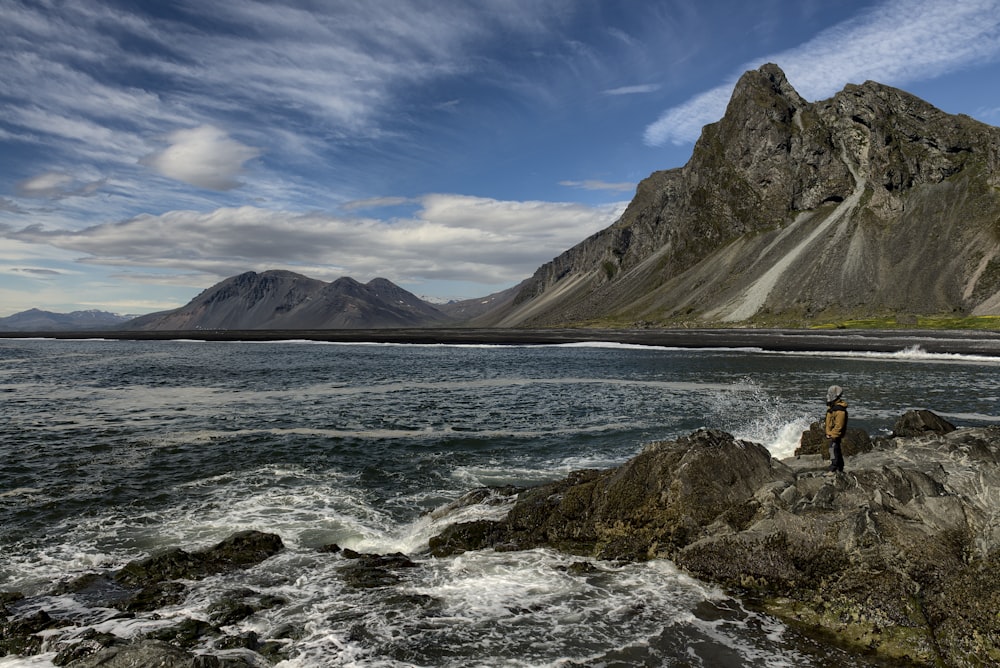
<point>187,634</point>
<point>813,442</point>
<point>89,643</point>
<point>19,634</point>
<point>158,654</point>
<point>466,536</point>
<point>154,582</point>
<point>141,585</point>
<point>899,555</point>
<point>241,550</point>
<point>147,653</point>
<point>918,423</point>
<point>649,506</point>
<point>371,571</point>
<point>236,606</point>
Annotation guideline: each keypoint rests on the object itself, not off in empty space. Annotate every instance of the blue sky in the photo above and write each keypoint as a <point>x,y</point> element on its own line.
<point>152,149</point>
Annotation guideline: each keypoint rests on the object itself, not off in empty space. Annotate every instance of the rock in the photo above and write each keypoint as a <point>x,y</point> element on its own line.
<point>918,423</point>
<point>813,442</point>
<point>898,556</point>
<point>144,585</point>
<point>19,635</point>
<point>158,654</point>
<point>150,583</point>
<point>238,605</point>
<point>147,653</point>
<point>187,634</point>
<point>240,550</point>
<point>640,510</point>
<point>370,571</point>
<point>89,643</point>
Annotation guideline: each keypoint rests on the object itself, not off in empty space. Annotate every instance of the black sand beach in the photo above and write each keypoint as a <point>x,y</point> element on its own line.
<point>964,342</point>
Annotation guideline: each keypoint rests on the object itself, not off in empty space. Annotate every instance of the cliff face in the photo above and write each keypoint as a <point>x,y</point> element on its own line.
<point>285,300</point>
<point>871,203</point>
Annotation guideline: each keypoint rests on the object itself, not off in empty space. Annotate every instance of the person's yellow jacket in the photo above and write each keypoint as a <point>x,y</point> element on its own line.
<point>836,419</point>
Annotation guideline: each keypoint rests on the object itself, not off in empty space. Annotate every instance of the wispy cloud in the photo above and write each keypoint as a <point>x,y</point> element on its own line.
<point>53,185</point>
<point>39,272</point>
<point>451,237</point>
<point>599,185</point>
<point>93,84</point>
<point>10,207</point>
<point>375,203</point>
<point>897,42</point>
<point>633,90</point>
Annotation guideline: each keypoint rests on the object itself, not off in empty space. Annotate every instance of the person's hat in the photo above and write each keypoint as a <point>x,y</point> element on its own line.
<point>834,393</point>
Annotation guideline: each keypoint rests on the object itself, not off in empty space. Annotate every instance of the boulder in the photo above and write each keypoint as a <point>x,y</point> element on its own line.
<point>241,550</point>
<point>813,442</point>
<point>145,653</point>
<point>920,422</point>
<point>153,582</point>
<point>371,571</point>
<point>656,502</point>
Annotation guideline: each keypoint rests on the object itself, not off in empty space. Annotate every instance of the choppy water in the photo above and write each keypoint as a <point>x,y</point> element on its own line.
<point>111,451</point>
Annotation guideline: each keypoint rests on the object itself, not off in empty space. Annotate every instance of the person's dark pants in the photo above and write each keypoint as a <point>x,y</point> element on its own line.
<point>836,456</point>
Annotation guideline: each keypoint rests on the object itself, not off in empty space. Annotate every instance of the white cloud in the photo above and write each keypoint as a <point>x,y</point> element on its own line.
<point>633,90</point>
<point>375,202</point>
<point>452,237</point>
<point>899,41</point>
<point>204,156</point>
<point>54,185</point>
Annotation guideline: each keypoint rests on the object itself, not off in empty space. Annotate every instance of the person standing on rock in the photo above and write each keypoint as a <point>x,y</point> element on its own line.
<point>836,426</point>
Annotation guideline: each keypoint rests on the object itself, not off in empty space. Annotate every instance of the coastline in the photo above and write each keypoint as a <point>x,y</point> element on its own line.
<point>960,342</point>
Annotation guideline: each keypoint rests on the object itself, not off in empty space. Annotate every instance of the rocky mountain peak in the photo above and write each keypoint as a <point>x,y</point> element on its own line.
<point>285,300</point>
<point>872,203</point>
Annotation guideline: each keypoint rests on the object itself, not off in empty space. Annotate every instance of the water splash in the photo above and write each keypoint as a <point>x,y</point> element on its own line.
<point>759,416</point>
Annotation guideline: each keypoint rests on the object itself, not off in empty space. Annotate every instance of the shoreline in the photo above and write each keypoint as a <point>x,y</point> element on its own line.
<point>962,342</point>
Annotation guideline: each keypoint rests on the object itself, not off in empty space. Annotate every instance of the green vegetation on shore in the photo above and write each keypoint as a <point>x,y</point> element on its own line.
<point>887,322</point>
<point>918,322</point>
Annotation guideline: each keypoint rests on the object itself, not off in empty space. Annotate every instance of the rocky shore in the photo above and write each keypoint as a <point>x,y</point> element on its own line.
<point>897,557</point>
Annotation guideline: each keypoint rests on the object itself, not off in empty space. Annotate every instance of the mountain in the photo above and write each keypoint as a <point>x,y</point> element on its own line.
<point>35,320</point>
<point>470,311</point>
<point>286,300</point>
<point>870,204</point>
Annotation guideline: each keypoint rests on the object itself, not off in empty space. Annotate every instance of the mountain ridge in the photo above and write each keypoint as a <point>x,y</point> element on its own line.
<point>38,320</point>
<point>794,213</point>
<point>280,299</point>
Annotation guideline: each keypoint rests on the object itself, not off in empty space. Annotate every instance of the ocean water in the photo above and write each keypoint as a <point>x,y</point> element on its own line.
<point>115,450</point>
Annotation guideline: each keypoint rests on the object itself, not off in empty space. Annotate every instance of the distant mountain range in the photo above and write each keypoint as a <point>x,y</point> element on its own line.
<point>286,300</point>
<point>34,320</point>
<point>277,300</point>
<point>870,204</point>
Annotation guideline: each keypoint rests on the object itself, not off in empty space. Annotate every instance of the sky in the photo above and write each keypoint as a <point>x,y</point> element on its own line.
<point>149,150</point>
